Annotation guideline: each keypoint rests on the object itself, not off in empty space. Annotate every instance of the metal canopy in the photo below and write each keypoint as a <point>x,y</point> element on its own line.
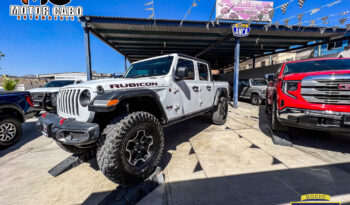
<point>138,39</point>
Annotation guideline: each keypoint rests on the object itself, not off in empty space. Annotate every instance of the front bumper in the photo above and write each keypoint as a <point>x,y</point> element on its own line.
<point>315,119</point>
<point>69,131</point>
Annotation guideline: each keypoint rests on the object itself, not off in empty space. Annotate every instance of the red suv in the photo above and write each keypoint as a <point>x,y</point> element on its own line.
<point>312,94</point>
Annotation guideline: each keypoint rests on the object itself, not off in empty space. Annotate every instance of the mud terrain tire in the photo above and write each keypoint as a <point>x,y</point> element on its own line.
<point>119,160</point>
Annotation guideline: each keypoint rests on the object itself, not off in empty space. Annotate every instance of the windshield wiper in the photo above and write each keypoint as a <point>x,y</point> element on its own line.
<point>139,76</point>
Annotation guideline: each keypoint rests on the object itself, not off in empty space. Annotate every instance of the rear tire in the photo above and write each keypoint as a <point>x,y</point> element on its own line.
<point>10,130</point>
<point>72,149</point>
<point>255,99</point>
<point>219,115</point>
<point>131,148</point>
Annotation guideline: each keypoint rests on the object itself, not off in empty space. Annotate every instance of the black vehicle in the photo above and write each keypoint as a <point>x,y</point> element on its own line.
<point>15,108</point>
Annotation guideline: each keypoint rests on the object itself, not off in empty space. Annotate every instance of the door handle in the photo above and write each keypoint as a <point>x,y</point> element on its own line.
<point>195,88</point>
<point>209,88</point>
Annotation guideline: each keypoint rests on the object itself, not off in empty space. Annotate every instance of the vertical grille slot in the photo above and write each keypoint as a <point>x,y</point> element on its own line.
<point>68,102</point>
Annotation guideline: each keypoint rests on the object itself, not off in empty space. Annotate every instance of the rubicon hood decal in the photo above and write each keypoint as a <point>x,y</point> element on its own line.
<point>132,85</point>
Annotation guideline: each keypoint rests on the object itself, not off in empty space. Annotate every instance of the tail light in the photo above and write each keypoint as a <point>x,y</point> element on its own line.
<point>290,87</point>
<point>30,101</point>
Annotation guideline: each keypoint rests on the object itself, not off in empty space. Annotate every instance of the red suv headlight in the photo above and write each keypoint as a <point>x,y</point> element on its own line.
<point>289,87</point>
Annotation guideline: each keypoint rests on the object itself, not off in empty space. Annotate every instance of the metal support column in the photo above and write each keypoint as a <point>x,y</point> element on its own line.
<point>236,73</point>
<point>126,65</point>
<point>87,52</point>
<point>253,62</point>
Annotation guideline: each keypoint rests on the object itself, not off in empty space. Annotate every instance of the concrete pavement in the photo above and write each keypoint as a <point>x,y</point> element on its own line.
<point>202,163</point>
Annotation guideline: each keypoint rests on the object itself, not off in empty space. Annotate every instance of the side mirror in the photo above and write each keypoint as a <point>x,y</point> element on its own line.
<point>181,73</point>
<point>270,77</point>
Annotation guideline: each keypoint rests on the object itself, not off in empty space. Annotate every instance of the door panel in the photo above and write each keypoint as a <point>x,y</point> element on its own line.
<point>187,88</point>
<point>207,91</point>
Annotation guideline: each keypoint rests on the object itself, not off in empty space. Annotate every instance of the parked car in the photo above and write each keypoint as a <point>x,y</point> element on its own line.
<point>15,108</point>
<point>253,89</point>
<point>124,117</point>
<point>45,98</point>
<point>312,94</point>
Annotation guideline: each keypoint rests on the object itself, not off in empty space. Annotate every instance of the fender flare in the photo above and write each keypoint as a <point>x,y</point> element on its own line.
<point>123,95</point>
<point>218,93</point>
<point>16,108</point>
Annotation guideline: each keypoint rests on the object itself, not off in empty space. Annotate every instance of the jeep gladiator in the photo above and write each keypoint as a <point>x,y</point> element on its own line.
<point>122,118</point>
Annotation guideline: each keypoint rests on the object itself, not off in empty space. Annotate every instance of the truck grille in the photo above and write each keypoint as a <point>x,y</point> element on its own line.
<point>38,97</point>
<point>68,102</point>
<point>324,89</point>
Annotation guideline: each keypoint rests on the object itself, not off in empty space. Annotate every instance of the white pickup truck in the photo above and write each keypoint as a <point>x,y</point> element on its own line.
<point>122,118</point>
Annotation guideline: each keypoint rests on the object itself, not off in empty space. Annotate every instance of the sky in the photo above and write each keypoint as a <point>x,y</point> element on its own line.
<point>38,47</point>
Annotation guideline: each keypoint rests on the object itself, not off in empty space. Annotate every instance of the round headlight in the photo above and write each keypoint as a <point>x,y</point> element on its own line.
<point>85,98</point>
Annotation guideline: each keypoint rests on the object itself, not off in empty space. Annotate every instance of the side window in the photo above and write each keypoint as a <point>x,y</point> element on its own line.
<point>189,74</point>
<point>203,71</point>
<point>244,82</point>
<point>278,71</point>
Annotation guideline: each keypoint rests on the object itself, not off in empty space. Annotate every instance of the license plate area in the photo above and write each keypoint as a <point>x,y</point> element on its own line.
<point>46,129</point>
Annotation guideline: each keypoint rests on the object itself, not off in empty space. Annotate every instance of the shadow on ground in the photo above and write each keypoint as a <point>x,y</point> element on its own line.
<point>29,134</point>
<point>174,135</point>
<point>338,142</point>
<point>273,187</point>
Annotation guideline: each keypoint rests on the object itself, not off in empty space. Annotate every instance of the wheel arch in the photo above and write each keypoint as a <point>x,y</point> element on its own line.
<point>131,100</point>
<point>220,92</point>
<point>12,110</point>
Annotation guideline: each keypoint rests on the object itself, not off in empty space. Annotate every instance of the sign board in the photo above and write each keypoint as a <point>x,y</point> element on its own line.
<point>243,10</point>
<point>240,30</point>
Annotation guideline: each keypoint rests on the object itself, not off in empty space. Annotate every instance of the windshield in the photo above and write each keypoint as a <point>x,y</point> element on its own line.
<point>259,82</point>
<point>58,83</point>
<point>155,67</point>
<point>314,66</point>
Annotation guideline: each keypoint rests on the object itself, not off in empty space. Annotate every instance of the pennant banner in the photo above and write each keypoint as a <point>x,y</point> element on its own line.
<point>347,27</point>
<point>344,13</point>
<point>315,11</point>
<point>335,28</point>
<point>334,3</point>
<point>324,18</point>
<point>286,21</point>
<point>300,16</point>
<point>271,13</point>
<point>151,16</point>
<point>284,7</point>
<point>149,3</point>
<point>312,23</point>
<point>301,3</point>
<point>266,27</point>
<point>342,21</point>
<point>322,30</point>
<point>277,24</point>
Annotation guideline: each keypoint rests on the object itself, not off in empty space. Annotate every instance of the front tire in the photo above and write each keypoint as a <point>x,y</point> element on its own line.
<point>131,148</point>
<point>219,114</point>
<point>10,131</point>
<point>275,124</point>
<point>255,99</point>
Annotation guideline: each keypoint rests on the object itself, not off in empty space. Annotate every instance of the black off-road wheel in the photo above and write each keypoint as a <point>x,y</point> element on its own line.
<point>255,99</point>
<point>219,114</point>
<point>10,130</point>
<point>130,148</point>
<point>72,149</point>
<point>275,124</point>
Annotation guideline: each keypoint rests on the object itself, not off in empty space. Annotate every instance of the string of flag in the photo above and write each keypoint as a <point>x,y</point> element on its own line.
<point>151,3</point>
<point>194,4</point>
